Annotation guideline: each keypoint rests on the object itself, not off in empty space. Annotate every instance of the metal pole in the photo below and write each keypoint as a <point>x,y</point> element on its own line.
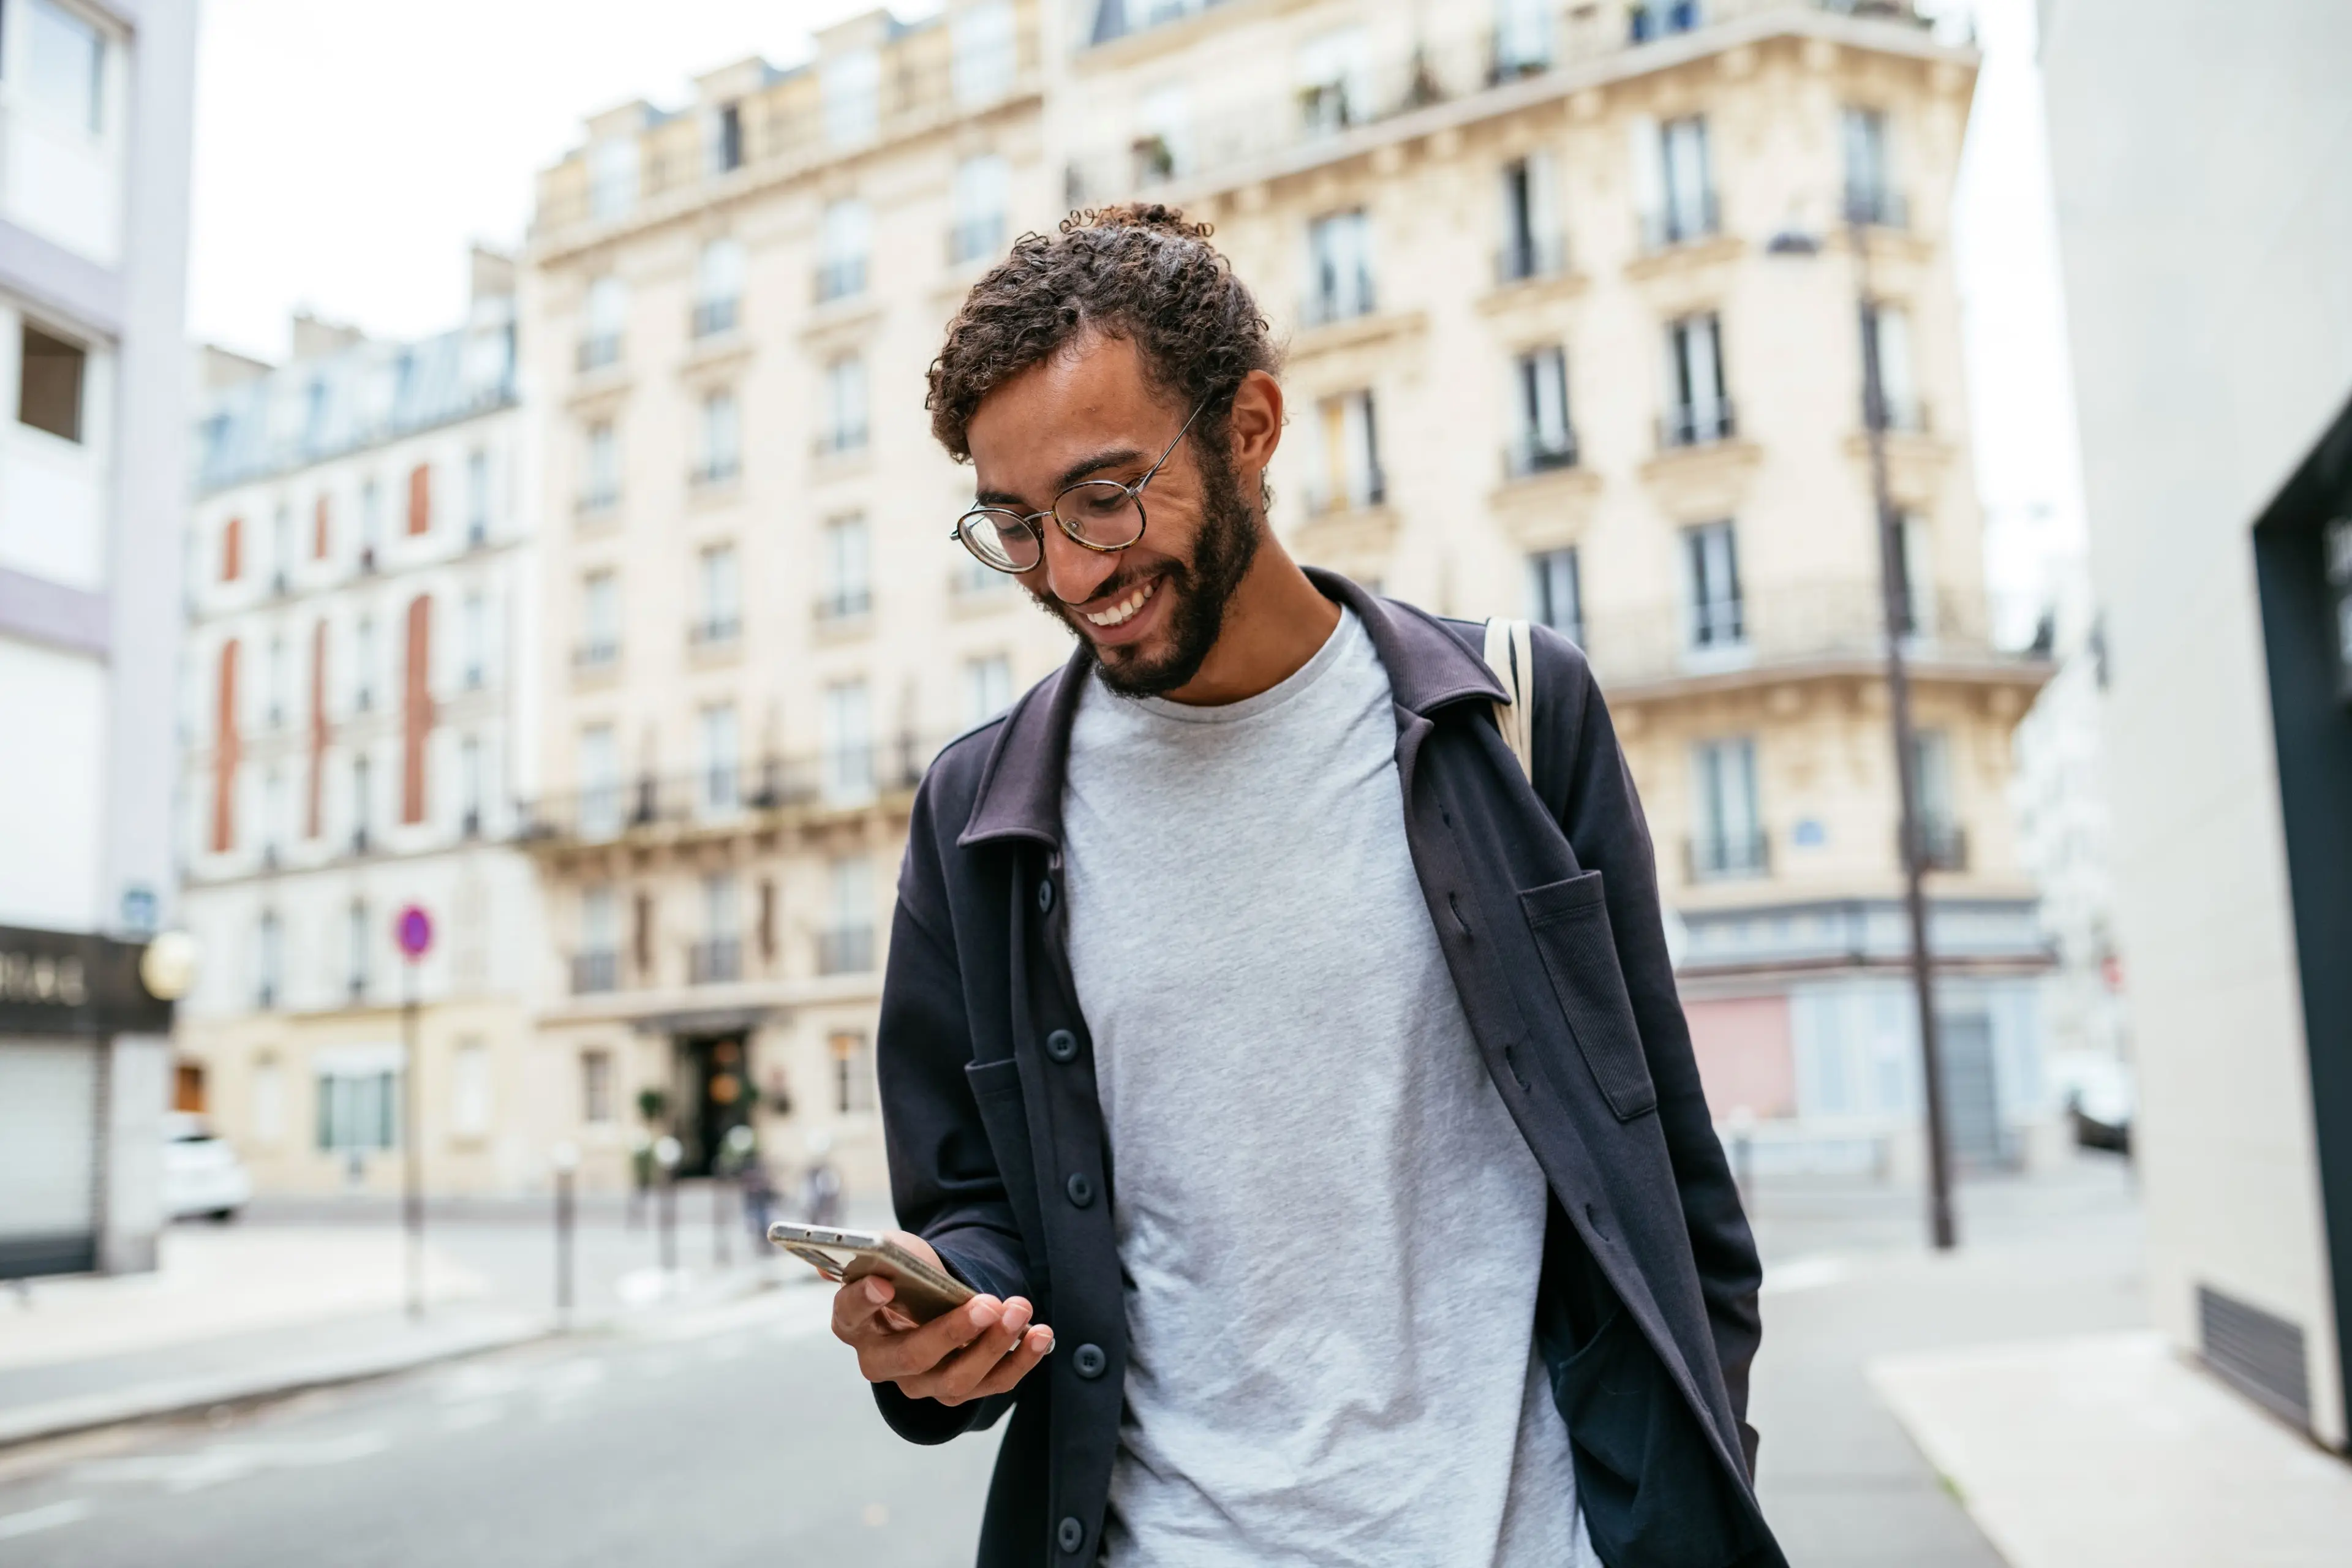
<point>411,1165</point>
<point>668,1201</point>
<point>563,1223</point>
<point>722,1251</point>
<point>1891,578</point>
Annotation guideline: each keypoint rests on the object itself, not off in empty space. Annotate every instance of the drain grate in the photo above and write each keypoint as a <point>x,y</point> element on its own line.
<point>2262,1354</point>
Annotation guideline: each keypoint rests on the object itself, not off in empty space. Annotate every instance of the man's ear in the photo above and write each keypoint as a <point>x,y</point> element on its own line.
<point>1254,429</point>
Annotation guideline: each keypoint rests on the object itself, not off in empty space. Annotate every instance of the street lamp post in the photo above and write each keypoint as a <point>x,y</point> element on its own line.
<point>413,932</point>
<point>1897,611</point>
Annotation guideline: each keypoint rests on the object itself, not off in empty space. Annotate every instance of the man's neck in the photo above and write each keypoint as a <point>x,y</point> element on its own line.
<point>1276,622</point>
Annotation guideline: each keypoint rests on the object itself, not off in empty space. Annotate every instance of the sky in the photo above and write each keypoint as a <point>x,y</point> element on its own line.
<point>346,153</point>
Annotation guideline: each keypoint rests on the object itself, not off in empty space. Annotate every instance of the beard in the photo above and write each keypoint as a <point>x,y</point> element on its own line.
<point>1223,550</point>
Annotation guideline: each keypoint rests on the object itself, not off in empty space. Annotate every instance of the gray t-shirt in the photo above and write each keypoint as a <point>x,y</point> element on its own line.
<point>1329,1229</point>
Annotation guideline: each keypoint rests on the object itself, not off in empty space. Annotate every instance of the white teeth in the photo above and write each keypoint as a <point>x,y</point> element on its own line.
<point>1124,611</point>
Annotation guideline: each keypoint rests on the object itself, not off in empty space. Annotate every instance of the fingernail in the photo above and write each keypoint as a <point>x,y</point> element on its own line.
<point>1049,1343</point>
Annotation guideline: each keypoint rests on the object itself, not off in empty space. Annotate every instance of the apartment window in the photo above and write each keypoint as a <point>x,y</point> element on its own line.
<point>371,522</point>
<point>1163,148</point>
<point>979,197</point>
<point>1335,81</point>
<point>1869,195</point>
<point>1914,585</point>
<point>1727,838</point>
<point>268,1102</point>
<point>612,177</point>
<point>50,382</point>
<point>474,638</point>
<point>1674,181</point>
<point>1648,19</point>
<point>721,583</point>
<point>848,742</point>
<point>470,1090</point>
<point>596,1088</point>
<point>64,67</point>
<point>355,948</point>
<point>1543,438</point>
<point>600,486</point>
<point>478,496</point>
<point>718,958</point>
<point>363,803</point>
<point>1555,592</point>
<point>602,322</point>
<point>847,946</point>
<point>727,138</point>
<point>848,583</point>
<point>1339,266</point>
<point>469,785</point>
<point>363,665</point>
<point>717,287</point>
<point>844,234</point>
<point>1522,36</point>
<point>1696,407</point>
<point>1887,333</point>
<point>275,682</point>
<point>722,428</point>
<point>600,783</point>
<point>851,86</point>
<point>853,1073</point>
<point>269,962</point>
<point>987,688</point>
<point>844,397</point>
<point>600,618</point>
<point>986,53</point>
<point>1533,245</point>
<point>595,967</point>
<point>1941,846</point>
<point>1343,455</point>
<point>1711,574</point>
<point>358,1110</point>
<point>722,760</point>
<point>273,815</point>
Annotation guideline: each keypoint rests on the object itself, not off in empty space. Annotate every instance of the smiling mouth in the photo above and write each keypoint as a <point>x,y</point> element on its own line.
<point>1124,611</point>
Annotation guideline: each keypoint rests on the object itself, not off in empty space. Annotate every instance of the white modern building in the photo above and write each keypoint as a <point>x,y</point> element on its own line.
<point>2204,217</point>
<point>94,110</point>
<point>358,656</point>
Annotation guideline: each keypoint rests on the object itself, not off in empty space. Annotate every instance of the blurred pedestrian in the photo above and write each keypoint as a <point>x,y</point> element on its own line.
<point>821,1184</point>
<point>1334,933</point>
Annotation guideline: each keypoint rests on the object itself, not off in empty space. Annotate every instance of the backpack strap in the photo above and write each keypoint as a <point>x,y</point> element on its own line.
<point>1510,654</point>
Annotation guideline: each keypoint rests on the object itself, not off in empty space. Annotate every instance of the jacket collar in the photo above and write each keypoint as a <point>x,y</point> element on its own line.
<point>1429,667</point>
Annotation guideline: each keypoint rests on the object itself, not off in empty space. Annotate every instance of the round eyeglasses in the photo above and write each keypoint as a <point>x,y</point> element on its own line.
<point>1102,515</point>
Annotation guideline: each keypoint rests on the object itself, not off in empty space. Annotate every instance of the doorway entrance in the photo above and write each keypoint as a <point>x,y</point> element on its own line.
<point>715,1072</point>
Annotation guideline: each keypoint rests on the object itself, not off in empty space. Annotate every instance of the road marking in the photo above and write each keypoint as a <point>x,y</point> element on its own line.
<point>70,1512</point>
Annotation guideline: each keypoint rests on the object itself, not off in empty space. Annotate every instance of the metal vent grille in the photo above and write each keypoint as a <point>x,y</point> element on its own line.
<point>2262,1354</point>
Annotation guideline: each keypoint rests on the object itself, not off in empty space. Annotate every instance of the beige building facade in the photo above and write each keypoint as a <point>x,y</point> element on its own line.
<point>1570,313</point>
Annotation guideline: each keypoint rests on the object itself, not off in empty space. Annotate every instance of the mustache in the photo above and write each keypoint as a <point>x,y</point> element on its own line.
<point>1122,582</point>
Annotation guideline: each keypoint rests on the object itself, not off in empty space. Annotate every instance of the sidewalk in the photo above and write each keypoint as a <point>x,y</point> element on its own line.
<point>2111,1452</point>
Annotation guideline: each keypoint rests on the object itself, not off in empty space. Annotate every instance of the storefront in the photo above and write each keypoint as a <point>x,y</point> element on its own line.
<point>84,1081</point>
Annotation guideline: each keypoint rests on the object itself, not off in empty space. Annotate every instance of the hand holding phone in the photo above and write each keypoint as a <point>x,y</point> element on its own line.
<point>976,1348</point>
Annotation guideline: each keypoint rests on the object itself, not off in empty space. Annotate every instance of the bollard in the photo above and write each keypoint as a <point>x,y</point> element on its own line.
<point>665,1156</point>
<point>567,1161</point>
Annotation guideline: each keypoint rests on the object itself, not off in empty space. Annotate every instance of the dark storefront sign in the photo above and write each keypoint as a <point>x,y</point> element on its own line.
<point>64,982</point>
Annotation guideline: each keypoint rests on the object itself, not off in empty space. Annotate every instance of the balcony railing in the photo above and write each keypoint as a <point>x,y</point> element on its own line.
<point>1694,425</point>
<point>846,603</point>
<point>595,970</point>
<point>1876,206</point>
<point>1720,856</point>
<point>712,317</point>
<point>1776,629</point>
<point>1321,307</point>
<point>845,950</point>
<point>1904,416</point>
<point>712,472</point>
<point>716,962</point>
<point>1364,490</point>
<point>595,506</point>
<point>1253,124</point>
<point>714,631</point>
<point>844,778</point>
<point>1943,845</point>
<point>1680,223</point>
<point>1652,19</point>
<point>973,240</point>
<point>1531,257</point>
<point>1538,452</point>
<point>839,442</point>
<point>840,280</point>
<point>597,353</point>
<point>597,653</point>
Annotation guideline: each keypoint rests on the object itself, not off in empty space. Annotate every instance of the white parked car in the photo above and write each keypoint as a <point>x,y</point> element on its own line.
<point>201,1175</point>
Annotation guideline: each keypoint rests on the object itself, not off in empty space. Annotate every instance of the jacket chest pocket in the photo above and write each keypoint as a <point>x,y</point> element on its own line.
<point>1569,923</point>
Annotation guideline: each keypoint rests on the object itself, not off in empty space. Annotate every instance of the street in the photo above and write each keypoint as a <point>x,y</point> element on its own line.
<point>739,1432</point>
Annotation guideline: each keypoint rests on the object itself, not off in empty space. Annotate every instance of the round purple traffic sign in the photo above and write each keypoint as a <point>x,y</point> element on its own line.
<point>413,930</point>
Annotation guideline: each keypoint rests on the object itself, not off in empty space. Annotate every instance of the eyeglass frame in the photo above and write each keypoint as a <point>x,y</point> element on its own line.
<point>1134,495</point>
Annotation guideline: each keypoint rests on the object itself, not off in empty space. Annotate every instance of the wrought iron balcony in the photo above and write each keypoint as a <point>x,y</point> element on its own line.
<point>1538,452</point>
<point>712,317</point>
<point>1724,855</point>
<point>742,798</point>
<point>716,962</point>
<point>845,950</point>
<point>595,970</point>
<point>1529,256</point>
<point>1695,425</point>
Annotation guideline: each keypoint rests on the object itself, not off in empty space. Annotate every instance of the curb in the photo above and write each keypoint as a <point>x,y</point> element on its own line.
<point>148,1402</point>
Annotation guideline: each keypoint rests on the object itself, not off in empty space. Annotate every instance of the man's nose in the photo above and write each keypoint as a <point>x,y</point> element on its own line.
<point>1072,573</point>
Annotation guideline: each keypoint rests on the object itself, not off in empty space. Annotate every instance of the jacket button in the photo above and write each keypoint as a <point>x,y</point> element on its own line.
<point>1069,1535</point>
<point>1081,1191</point>
<point>1045,897</point>
<point>1090,1362</point>
<point>1062,1045</point>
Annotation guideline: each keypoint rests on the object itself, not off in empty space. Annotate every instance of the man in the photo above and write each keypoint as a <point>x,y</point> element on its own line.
<point>1300,1090</point>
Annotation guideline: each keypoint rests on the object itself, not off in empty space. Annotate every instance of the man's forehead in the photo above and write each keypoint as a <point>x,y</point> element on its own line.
<point>1072,405</point>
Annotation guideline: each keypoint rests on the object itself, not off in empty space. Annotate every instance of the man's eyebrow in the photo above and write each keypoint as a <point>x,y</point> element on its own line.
<point>1085,468</point>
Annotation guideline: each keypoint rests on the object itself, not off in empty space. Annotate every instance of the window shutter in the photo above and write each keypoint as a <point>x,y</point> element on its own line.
<point>416,716</point>
<point>420,499</point>
<point>311,815</point>
<point>231,562</point>
<point>1648,154</point>
<point>225,753</point>
<point>1543,200</point>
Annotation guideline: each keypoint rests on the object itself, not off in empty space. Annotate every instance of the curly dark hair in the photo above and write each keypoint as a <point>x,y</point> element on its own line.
<point>1140,271</point>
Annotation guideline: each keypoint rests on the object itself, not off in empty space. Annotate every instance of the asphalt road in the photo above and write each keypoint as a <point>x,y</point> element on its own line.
<point>737,1435</point>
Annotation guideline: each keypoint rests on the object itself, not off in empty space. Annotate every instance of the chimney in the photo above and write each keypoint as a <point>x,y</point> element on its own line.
<point>315,337</point>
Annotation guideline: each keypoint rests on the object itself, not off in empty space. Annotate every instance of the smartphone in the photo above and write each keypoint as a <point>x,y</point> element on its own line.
<point>918,1291</point>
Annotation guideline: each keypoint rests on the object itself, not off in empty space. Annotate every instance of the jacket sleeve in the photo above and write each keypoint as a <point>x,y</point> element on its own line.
<point>1592,794</point>
<point>944,1180</point>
